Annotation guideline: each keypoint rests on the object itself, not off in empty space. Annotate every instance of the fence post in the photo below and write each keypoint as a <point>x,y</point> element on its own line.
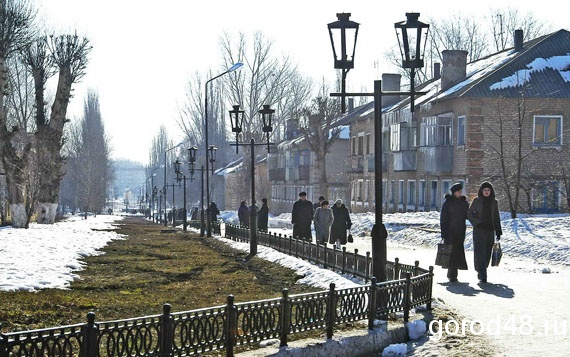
<point>416,267</point>
<point>90,346</point>
<point>355,266</point>
<point>296,247</point>
<point>396,269</point>
<point>3,344</point>
<point>428,305</point>
<point>343,259</point>
<point>367,268</point>
<point>325,251</point>
<point>407,291</point>
<point>285,317</point>
<point>166,334</point>
<point>290,245</point>
<point>231,326</point>
<point>331,311</point>
<point>372,304</point>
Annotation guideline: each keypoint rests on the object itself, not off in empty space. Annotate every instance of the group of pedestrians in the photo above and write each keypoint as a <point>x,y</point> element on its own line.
<point>331,223</point>
<point>483,213</point>
<point>262,214</point>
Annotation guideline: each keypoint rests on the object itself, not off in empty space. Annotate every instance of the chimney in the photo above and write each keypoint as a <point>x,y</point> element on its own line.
<point>454,68</point>
<point>436,70</point>
<point>518,40</point>
<point>350,106</point>
<point>390,82</point>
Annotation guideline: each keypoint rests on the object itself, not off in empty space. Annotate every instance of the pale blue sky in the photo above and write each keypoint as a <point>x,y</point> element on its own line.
<point>145,51</point>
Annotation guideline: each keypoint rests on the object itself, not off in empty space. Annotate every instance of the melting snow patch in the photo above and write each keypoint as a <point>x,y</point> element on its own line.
<point>416,329</point>
<point>395,350</point>
<point>546,271</point>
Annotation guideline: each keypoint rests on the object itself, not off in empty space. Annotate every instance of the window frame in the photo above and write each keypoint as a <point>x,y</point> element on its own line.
<point>461,130</point>
<point>560,133</point>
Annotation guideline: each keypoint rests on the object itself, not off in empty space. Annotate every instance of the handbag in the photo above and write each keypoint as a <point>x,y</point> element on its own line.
<point>349,239</point>
<point>443,256</point>
<point>496,255</point>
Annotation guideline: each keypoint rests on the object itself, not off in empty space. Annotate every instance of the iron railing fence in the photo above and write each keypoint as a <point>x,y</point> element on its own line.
<point>239,324</point>
<point>216,226</point>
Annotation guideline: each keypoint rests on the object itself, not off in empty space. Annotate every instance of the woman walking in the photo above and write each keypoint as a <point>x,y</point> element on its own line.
<point>452,221</point>
<point>486,220</point>
<point>323,220</point>
<point>340,225</point>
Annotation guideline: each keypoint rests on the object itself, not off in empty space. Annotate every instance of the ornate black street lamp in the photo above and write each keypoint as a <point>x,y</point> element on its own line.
<point>191,167</point>
<point>343,34</point>
<point>154,194</point>
<point>181,177</point>
<point>236,119</point>
<point>412,46</point>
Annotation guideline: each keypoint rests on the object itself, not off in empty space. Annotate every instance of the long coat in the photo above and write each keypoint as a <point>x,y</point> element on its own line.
<point>341,223</point>
<point>263,217</point>
<point>214,212</point>
<point>243,215</point>
<point>323,219</point>
<point>301,218</point>
<point>452,221</point>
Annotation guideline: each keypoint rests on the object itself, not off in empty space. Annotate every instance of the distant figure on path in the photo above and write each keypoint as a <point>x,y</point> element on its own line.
<point>340,225</point>
<point>243,214</point>
<point>486,220</point>
<point>194,215</point>
<point>301,218</point>
<point>214,212</point>
<point>263,216</point>
<point>317,205</point>
<point>323,220</point>
<point>452,222</point>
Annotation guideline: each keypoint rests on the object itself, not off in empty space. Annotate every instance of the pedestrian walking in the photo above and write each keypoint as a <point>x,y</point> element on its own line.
<point>340,225</point>
<point>486,220</point>
<point>243,214</point>
<point>263,216</point>
<point>213,211</point>
<point>323,220</point>
<point>301,217</point>
<point>317,205</point>
<point>452,222</point>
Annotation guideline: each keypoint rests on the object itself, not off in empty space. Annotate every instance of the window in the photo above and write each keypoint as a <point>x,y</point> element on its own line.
<point>422,195</point>
<point>434,194</point>
<point>361,145</point>
<point>545,197</point>
<point>461,130</point>
<point>354,145</point>
<point>436,131</point>
<point>401,198</point>
<point>395,137</point>
<point>547,131</point>
<point>393,193</point>
<point>368,144</point>
<point>446,186</point>
<point>412,193</point>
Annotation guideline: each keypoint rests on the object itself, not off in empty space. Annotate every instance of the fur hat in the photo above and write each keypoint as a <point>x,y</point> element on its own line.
<point>302,194</point>
<point>456,187</point>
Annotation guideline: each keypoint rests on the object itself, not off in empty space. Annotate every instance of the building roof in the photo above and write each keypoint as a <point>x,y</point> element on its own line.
<point>542,66</point>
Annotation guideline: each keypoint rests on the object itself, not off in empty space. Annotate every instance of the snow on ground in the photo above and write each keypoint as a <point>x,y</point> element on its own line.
<point>47,256</point>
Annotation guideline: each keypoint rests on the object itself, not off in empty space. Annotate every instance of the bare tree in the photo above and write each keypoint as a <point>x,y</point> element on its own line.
<point>16,31</point>
<point>265,80</point>
<point>317,127</point>
<point>504,22</point>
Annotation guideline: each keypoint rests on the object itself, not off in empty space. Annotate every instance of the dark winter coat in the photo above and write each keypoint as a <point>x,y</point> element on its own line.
<point>214,212</point>
<point>194,216</point>
<point>263,217</point>
<point>301,218</point>
<point>243,215</point>
<point>452,221</point>
<point>341,223</point>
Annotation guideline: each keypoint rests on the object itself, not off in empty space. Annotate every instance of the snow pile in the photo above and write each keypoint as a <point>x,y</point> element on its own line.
<point>416,329</point>
<point>395,350</point>
<point>46,256</point>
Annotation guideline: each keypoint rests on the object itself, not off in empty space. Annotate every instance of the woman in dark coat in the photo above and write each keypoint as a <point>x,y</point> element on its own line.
<point>341,223</point>
<point>301,218</point>
<point>263,216</point>
<point>486,220</point>
<point>243,214</point>
<point>452,221</point>
<point>214,212</point>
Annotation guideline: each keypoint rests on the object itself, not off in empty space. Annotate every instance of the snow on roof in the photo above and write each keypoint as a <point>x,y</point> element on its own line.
<point>521,77</point>
<point>344,132</point>
<point>229,168</point>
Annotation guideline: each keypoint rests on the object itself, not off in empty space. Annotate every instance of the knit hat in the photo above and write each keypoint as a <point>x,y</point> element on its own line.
<point>303,194</point>
<point>321,198</point>
<point>456,187</point>
<point>338,201</point>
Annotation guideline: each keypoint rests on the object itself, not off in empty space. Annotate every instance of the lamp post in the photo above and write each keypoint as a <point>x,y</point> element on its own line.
<point>181,177</point>
<point>165,185</point>
<point>410,33</point>
<point>191,163</point>
<point>153,200</point>
<point>206,143</point>
<point>236,118</point>
<point>153,197</point>
<point>340,32</point>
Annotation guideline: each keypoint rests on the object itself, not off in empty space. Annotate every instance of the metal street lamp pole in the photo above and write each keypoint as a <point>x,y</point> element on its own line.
<point>206,142</point>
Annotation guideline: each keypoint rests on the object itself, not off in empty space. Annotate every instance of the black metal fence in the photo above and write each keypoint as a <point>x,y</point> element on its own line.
<point>216,226</point>
<point>238,324</point>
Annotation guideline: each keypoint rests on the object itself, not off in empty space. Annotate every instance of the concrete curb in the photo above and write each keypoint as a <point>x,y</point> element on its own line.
<point>346,343</point>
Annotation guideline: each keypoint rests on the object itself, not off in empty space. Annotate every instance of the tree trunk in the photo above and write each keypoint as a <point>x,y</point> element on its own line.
<point>20,217</point>
<point>323,179</point>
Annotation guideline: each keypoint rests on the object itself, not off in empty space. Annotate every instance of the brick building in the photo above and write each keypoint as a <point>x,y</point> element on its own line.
<point>470,126</point>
